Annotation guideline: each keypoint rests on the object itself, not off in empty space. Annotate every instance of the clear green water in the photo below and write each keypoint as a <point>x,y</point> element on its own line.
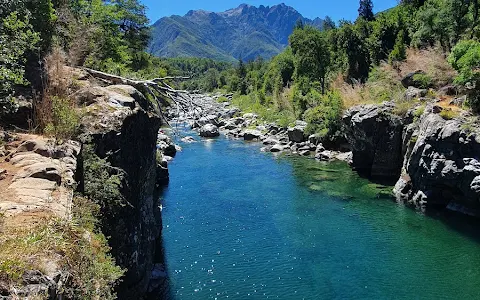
<point>241,224</point>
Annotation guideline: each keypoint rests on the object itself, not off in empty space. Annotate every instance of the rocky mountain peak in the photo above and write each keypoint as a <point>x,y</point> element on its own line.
<point>246,31</point>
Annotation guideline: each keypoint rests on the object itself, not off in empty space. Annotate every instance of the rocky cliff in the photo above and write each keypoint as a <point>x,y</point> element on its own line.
<point>375,136</point>
<point>441,168</point>
<point>122,130</point>
<point>433,159</point>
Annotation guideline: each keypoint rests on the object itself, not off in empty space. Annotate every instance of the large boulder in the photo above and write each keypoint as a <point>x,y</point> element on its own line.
<point>375,136</point>
<point>250,135</point>
<point>441,167</point>
<point>414,93</point>
<point>296,134</point>
<point>209,131</point>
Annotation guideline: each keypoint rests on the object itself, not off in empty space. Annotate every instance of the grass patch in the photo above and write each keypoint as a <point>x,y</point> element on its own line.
<point>77,246</point>
<point>404,106</point>
<point>222,99</point>
<point>448,114</point>
<point>252,104</point>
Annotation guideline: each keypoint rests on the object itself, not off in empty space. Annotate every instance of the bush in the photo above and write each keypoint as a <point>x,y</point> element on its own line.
<point>64,120</point>
<point>422,81</point>
<point>16,39</point>
<point>465,58</point>
<point>103,183</point>
<point>325,119</point>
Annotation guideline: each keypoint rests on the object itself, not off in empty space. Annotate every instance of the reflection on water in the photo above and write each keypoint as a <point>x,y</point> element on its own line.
<point>240,224</point>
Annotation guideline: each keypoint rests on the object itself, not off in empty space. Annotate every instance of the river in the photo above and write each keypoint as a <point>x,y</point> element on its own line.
<point>242,224</point>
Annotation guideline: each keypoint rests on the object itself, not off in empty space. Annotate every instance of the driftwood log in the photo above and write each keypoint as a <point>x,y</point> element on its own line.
<point>156,88</point>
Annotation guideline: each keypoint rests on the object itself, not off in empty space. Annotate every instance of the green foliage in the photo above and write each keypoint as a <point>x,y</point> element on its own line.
<point>17,38</point>
<point>446,22</point>
<point>418,112</point>
<point>366,10</point>
<point>64,119</point>
<point>326,118</point>
<point>465,58</point>
<point>423,81</point>
<point>312,54</point>
<point>399,52</point>
<point>448,114</point>
<point>102,183</point>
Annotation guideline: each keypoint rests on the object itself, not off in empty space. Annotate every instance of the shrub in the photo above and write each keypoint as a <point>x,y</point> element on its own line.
<point>423,81</point>
<point>399,50</point>
<point>222,99</point>
<point>402,107</point>
<point>16,39</point>
<point>103,183</point>
<point>64,120</point>
<point>325,119</point>
<point>465,58</point>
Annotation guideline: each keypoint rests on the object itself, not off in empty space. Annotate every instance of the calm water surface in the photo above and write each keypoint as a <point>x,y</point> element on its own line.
<point>241,224</point>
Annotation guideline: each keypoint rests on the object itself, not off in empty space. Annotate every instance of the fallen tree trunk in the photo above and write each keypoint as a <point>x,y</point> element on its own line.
<point>157,88</point>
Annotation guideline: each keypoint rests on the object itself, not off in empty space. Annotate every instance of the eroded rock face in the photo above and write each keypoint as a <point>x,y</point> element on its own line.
<point>124,131</point>
<point>442,167</point>
<point>297,134</point>
<point>375,136</point>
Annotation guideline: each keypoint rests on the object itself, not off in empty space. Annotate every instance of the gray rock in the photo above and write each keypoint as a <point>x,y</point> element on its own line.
<point>276,148</point>
<point>375,136</point>
<point>209,131</point>
<point>413,93</point>
<point>270,141</point>
<point>250,135</point>
<point>441,169</point>
<point>230,126</point>
<point>325,155</point>
<point>320,148</point>
<point>296,134</point>
<point>304,152</point>
<point>188,140</point>
<point>250,116</point>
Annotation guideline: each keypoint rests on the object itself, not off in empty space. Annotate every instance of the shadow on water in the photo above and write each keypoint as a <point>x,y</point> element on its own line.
<point>461,223</point>
<point>159,286</point>
<point>338,180</point>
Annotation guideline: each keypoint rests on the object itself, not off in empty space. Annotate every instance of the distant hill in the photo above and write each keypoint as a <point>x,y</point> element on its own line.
<point>246,31</point>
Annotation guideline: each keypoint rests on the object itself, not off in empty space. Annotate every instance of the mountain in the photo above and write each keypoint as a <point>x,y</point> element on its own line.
<point>246,31</point>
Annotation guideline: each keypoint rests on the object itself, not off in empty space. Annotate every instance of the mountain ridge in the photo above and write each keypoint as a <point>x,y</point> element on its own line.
<point>243,32</point>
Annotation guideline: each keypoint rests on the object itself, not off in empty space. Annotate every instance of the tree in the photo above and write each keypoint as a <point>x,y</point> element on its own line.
<point>465,58</point>
<point>354,49</point>
<point>299,24</point>
<point>242,76</point>
<point>17,38</point>
<point>328,24</point>
<point>312,54</point>
<point>366,10</point>
<point>399,52</point>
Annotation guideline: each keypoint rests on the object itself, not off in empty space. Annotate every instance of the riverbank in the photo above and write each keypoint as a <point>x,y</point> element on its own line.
<point>432,158</point>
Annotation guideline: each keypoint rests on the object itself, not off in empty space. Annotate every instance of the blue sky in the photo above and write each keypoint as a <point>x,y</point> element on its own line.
<point>336,9</point>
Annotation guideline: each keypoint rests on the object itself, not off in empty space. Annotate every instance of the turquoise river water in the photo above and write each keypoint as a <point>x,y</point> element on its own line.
<point>241,224</point>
